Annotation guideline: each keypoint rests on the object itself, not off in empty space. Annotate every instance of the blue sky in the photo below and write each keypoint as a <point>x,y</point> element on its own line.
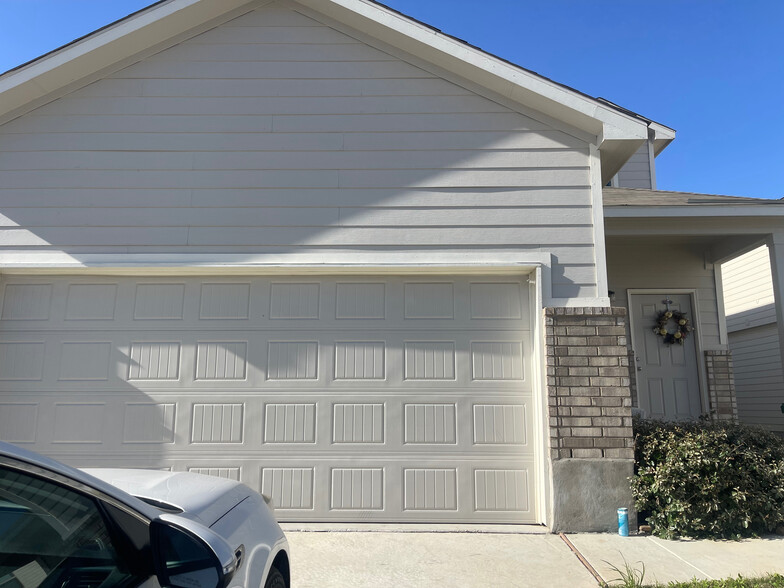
<point>711,69</point>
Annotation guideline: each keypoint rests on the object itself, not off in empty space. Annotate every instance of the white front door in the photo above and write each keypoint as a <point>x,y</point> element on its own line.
<point>667,375</point>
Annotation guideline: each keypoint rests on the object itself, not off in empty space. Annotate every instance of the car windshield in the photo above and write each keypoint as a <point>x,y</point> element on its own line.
<point>51,536</point>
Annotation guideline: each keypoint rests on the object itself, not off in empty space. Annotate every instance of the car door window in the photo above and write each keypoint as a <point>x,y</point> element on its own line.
<point>53,536</point>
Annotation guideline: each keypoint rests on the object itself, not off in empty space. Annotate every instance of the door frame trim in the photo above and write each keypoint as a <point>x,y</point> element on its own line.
<point>541,416</point>
<point>701,373</point>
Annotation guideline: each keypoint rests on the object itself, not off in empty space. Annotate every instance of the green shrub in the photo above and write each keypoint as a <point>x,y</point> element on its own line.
<point>709,480</point>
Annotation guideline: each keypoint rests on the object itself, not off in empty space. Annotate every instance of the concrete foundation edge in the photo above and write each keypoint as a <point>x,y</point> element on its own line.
<point>588,492</point>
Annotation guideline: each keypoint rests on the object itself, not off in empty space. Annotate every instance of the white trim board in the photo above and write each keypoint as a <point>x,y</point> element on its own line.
<point>597,201</point>
<point>695,210</point>
<point>325,262</point>
<point>292,264</point>
<point>541,418</point>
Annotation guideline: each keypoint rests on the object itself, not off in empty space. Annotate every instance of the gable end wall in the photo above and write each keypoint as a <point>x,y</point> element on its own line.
<point>276,136</point>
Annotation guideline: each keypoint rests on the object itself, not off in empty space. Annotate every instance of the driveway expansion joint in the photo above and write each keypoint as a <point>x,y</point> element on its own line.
<point>671,552</point>
<point>582,559</point>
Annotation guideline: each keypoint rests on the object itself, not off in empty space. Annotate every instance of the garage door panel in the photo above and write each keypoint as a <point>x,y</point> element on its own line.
<point>91,302</point>
<point>254,415</point>
<point>90,359</point>
<point>500,424</point>
<point>149,422</point>
<point>501,489</point>
<point>113,423</point>
<point>224,360</point>
<point>224,301</point>
<point>398,490</point>
<point>256,359</point>
<point>429,489</point>
<point>428,360</point>
<point>270,424</point>
<point>83,423</point>
<point>355,398</point>
<point>26,302</point>
<point>19,421</point>
<point>22,360</point>
<point>290,423</point>
<point>75,425</point>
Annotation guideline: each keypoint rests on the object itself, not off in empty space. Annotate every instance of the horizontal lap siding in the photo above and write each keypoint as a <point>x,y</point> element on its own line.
<point>222,198</point>
<point>748,290</point>
<point>650,264</point>
<point>759,383</point>
<point>275,133</point>
<point>248,139</point>
<point>636,173</point>
<point>286,217</point>
<point>325,160</point>
<point>262,123</point>
<point>302,178</point>
<point>302,236</point>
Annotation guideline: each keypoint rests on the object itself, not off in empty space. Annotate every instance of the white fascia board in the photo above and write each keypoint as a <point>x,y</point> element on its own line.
<point>662,137</point>
<point>102,50</point>
<point>694,211</point>
<point>662,133</point>
<point>510,81</point>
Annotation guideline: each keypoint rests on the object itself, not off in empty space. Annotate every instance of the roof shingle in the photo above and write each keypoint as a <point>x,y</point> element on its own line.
<point>641,197</point>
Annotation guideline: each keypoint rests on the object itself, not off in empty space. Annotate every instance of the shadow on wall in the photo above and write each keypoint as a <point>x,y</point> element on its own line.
<point>225,375</point>
<point>231,148</point>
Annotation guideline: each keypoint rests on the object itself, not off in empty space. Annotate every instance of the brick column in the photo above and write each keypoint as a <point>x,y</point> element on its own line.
<point>589,402</point>
<point>588,383</point>
<point>721,386</point>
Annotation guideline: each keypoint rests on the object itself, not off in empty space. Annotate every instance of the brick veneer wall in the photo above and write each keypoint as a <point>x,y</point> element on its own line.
<point>721,386</point>
<point>588,383</point>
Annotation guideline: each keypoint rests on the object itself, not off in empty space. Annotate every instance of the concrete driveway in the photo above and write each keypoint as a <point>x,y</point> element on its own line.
<point>682,560</point>
<point>421,559</point>
<point>379,556</point>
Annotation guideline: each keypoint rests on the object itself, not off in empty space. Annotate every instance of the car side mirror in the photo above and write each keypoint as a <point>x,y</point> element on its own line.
<point>189,555</point>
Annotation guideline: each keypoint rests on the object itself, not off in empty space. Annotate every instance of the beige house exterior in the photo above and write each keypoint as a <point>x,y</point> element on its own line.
<point>753,334</point>
<point>670,246</point>
<point>358,264</point>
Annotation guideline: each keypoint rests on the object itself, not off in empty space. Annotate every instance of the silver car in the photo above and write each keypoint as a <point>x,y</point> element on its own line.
<point>65,528</point>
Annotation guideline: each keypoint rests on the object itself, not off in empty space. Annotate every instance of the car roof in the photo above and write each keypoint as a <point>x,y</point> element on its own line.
<point>26,456</point>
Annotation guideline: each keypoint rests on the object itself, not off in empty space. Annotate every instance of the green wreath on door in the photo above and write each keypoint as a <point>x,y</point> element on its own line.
<point>682,326</point>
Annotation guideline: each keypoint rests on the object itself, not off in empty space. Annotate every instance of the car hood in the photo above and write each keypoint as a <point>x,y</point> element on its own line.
<point>199,497</point>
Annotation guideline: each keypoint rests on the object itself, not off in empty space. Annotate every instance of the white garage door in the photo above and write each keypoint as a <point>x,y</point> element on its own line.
<point>345,398</point>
